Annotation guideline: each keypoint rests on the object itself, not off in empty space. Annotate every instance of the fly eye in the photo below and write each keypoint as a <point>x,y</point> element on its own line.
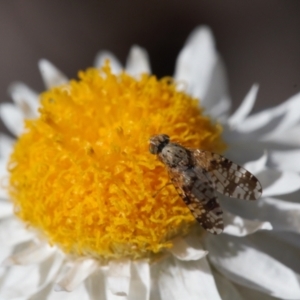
<point>165,138</point>
<point>153,149</point>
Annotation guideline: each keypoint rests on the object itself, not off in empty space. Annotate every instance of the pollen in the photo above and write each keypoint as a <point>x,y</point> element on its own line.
<point>82,176</point>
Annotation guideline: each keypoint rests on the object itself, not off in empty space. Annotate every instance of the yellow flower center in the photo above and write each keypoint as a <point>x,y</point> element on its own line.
<point>82,175</point>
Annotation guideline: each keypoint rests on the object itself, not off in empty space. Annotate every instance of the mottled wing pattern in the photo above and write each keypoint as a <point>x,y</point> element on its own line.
<point>227,177</point>
<point>201,200</point>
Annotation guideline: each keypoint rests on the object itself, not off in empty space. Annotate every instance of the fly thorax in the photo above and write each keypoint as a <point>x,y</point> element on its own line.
<point>175,156</point>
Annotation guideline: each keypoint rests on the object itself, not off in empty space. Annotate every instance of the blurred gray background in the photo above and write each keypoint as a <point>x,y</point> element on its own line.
<point>259,40</point>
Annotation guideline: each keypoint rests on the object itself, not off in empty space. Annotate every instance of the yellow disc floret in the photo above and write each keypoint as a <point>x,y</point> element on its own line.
<point>81,173</point>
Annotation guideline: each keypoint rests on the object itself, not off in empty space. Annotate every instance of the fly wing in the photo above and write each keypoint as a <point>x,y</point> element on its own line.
<point>225,176</point>
<point>201,200</point>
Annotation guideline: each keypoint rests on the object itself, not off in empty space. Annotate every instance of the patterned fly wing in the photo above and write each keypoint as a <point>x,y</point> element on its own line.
<point>201,201</point>
<point>196,174</point>
<point>227,177</point>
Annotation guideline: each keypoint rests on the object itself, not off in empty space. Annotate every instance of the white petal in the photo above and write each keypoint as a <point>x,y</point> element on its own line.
<point>187,280</point>
<point>238,226</point>
<point>271,122</point>
<point>238,260</point>
<point>118,278</point>
<point>291,116</point>
<point>6,209</point>
<point>12,118</point>
<point>138,61</point>
<point>19,282</point>
<point>226,288</point>
<point>140,280</point>
<point>96,284</point>
<point>286,160</point>
<point>13,231</point>
<point>250,294</point>
<point>290,238</point>
<point>200,66</point>
<point>220,110</point>
<point>275,182</point>
<point>268,242</point>
<point>183,251</point>
<point>49,294</point>
<point>102,56</point>
<point>3,180</point>
<point>258,121</point>
<point>48,272</point>
<point>242,147</point>
<point>245,108</point>
<point>35,253</point>
<point>6,146</point>
<point>51,75</point>
<point>30,282</point>
<point>289,137</point>
<point>81,269</point>
<point>111,296</point>
<point>258,165</point>
<point>25,98</point>
<point>284,215</point>
<point>5,252</point>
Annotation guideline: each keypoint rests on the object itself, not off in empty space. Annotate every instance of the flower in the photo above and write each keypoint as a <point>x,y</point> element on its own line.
<point>239,264</point>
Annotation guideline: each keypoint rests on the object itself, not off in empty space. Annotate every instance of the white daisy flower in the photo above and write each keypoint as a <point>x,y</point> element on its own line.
<point>82,182</point>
